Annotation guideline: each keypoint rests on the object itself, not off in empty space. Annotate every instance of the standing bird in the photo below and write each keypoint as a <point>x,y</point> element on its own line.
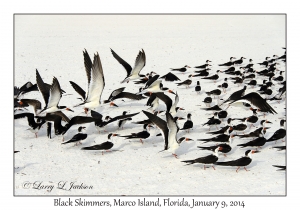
<point>204,65</point>
<point>103,146</point>
<point>258,142</point>
<point>230,63</point>
<point>225,148</point>
<point>207,101</point>
<point>132,73</point>
<point>279,134</point>
<point>210,159</point>
<point>215,92</point>
<point>198,87</point>
<point>186,83</point>
<point>239,61</point>
<point>96,82</point>
<point>214,77</point>
<point>169,131</point>
<point>77,137</point>
<point>224,85</point>
<point>241,162</point>
<point>188,124</point>
<point>182,70</point>
<point>140,135</point>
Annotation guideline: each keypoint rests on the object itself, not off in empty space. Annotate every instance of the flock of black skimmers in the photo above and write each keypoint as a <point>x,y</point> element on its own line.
<point>250,94</point>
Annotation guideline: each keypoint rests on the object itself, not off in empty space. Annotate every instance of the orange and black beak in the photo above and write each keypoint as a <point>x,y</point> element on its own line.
<point>170,91</point>
<point>68,109</point>
<point>254,151</point>
<point>113,104</point>
<point>188,139</point>
<point>86,110</point>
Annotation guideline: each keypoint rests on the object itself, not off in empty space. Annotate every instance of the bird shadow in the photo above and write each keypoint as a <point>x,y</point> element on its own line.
<point>19,169</point>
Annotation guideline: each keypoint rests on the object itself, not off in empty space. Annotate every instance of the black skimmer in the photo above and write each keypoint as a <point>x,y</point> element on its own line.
<point>185,83</point>
<point>201,73</point>
<point>204,65</point>
<point>230,69</point>
<point>132,73</point>
<point>182,70</point>
<point>279,134</point>
<point>77,137</point>
<point>52,96</point>
<point>225,148</point>
<point>239,61</point>
<point>212,122</point>
<point>103,146</point>
<point>170,77</point>
<point>249,65</point>
<point>235,95</point>
<point>265,62</point>
<point>96,82</point>
<point>222,130</point>
<point>166,99</point>
<point>207,101</point>
<point>214,77</point>
<point>240,127</point>
<point>111,135</point>
<point>169,130</point>
<point>213,108</point>
<point>215,92</point>
<point>210,159</point>
<point>188,123</point>
<point>241,162</point>
<point>230,63</point>
<point>259,132</point>
<point>119,93</point>
<point>198,87</point>
<point>256,100</point>
<point>140,135</point>
<point>36,104</point>
<point>252,83</point>
<point>99,123</point>
<point>224,137</point>
<point>279,148</point>
<point>224,85</point>
<point>34,126</point>
<point>122,122</point>
<point>281,168</point>
<point>258,142</point>
<point>222,114</point>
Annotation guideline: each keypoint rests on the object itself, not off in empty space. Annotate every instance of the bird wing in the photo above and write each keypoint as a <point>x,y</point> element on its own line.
<point>97,83</point>
<point>140,62</point>
<point>150,81</point>
<point>115,93</point>
<point>78,89</point>
<point>42,88</point>
<point>120,117</point>
<point>49,125</point>
<point>127,67</point>
<point>61,114</point>
<point>172,127</point>
<point>166,99</point>
<point>96,115</point>
<point>161,124</point>
<point>151,99</point>
<point>30,118</point>
<point>88,65</point>
<point>256,100</point>
<point>55,94</point>
<point>129,96</point>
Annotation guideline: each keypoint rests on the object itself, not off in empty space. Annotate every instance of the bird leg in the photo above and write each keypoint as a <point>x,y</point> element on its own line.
<point>204,167</point>
<point>175,156</point>
<point>246,169</point>
<point>213,167</point>
<point>35,135</point>
<point>237,169</point>
<point>225,155</point>
<point>141,141</point>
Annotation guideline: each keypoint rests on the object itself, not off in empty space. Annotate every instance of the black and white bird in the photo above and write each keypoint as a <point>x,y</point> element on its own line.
<point>77,137</point>
<point>214,77</point>
<point>182,70</point>
<point>52,96</point>
<point>96,82</point>
<point>224,137</point>
<point>140,135</point>
<point>105,146</point>
<point>198,87</point>
<point>215,92</point>
<point>185,83</point>
<point>188,124</point>
<point>230,63</point>
<point>119,93</point>
<point>169,131</point>
<point>207,160</point>
<point>279,134</point>
<point>239,61</point>
<point>204,65</point>
<point>241,162</point>
<point>258,142</point>
<point>132,73</point>
<point>225,148</point>
<point>224,85</point>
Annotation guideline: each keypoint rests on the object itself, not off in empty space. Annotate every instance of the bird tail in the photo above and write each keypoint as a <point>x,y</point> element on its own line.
<point>242,145</point>
<point>189,162</point>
